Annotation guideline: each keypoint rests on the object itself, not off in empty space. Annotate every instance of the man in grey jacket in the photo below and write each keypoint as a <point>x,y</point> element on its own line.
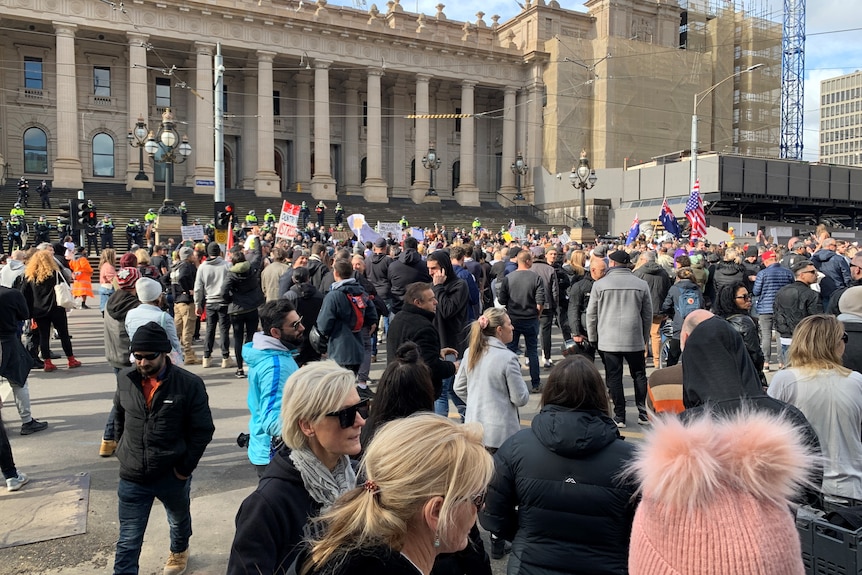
<point>523,294</point>
<point>209,294</point>
<point>619,317</point>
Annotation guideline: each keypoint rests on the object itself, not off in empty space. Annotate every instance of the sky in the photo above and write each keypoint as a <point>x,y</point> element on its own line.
<point>828,51</point>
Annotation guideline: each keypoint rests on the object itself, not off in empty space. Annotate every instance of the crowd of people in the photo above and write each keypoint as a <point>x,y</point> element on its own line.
<point>361,476</point>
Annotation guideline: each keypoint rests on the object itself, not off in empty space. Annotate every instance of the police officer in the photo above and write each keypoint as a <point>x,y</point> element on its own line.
<point>250,219</point>
<point>91,211</point>
<point>106,231</point>
<point>339,214</point>
<point>305,214</point>
<point>15,233</point>
<point>320,210</point>
<point>43,230</point>
<point>23,191</point>
<point>476,225</point>
<point>17,210</point>
<point>63,228</point>
<point>44,190</point>
<point>92,241</point>
<point>269,217</point>
<point>210,230</point>
<point>184,213</point>
<point>132,232</point>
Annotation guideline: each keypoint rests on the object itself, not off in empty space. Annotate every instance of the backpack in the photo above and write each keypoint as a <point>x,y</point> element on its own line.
<point>357,302</point>
<point>687,301</point>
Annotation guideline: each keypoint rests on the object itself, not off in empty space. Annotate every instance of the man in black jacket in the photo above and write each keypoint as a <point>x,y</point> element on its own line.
<point>415,322</point>
<point>183,291</point>
<point>408,268</point>
<point>163,425</point>
<point>793,303</point>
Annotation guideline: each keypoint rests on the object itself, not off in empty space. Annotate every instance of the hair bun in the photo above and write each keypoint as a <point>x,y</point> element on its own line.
<point>408,352</point>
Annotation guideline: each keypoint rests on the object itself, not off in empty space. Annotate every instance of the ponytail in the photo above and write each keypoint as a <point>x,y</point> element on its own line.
<point>483,328</point>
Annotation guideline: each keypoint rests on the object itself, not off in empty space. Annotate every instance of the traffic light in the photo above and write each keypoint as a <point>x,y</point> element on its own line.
<point>224,211</point>
<point>79,215</point>
<point>67,213</point>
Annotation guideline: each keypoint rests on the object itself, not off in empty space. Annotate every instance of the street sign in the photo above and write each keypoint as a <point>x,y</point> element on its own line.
<point>205,183</point>
<point>221,236</point>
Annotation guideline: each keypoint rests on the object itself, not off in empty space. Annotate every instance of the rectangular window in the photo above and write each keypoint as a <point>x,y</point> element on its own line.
<point>33,73</point>
<point>163,92</point>
<point>276,103</point>
<point>102,81</point>
<point>457,121</point>
<point>364,114</point>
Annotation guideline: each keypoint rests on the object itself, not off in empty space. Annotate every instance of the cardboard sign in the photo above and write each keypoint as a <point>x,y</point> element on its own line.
<point>192,232</point>
<point>385,228</point>
<point>287,221</point>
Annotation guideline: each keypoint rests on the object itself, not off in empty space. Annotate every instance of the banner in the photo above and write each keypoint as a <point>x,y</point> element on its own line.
<point>564,238</point>
<point>386,228</point>
<point>418,233</point>
<point>192,232</point>
<point>360,227</point>
<point>287,221</point>
<point>518,232</point>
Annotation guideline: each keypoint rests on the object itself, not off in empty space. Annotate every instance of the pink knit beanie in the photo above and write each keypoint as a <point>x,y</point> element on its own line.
<point>716,497</point>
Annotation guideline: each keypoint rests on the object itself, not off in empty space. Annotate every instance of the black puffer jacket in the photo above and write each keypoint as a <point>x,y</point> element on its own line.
<point>579,298</point>
<point>378,273</point>
<point>403,271</point>
<point>242,291</point>
<point>417,325</point>
<point>728,273</point>
<point>573,513</point>
<point>793,303</point>
<point>171,434</point>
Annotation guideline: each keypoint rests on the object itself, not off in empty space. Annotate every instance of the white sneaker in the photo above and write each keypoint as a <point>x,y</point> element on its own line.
<point>207,362</point>
<point>549,363</point>
<point>527,361</point>
<point>16,483</point>
<point>227,362</point>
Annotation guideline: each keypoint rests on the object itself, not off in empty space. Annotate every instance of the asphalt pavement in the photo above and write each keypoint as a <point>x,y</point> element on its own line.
<point>76,402</point>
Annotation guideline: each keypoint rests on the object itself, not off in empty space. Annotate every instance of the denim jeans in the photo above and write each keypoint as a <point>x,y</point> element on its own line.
<point>530,330</point>
<point>441,405</point>
<point>217,314</point>
<point>104,294</point>
<point>135,503</point>
<point>614,379</point>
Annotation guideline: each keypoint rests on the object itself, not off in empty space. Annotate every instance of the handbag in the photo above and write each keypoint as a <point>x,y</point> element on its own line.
<point>63,293</point>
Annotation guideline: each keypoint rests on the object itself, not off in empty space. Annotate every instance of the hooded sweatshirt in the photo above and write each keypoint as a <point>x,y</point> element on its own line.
<point>405,270</point>
<point>557,494</point>
<point>13,270</point>
<point>117,339</point>
<point>210,282</point>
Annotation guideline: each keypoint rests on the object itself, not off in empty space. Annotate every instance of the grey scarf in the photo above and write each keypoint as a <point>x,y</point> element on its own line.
<point>323,485</point>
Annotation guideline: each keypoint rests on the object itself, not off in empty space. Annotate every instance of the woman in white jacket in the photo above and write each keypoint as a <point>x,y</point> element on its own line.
<point>489,379</point>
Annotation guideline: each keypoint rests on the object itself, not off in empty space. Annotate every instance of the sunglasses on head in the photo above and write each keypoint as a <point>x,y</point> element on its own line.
<point>296,324</point>
<point>347,416</point>
<point>146,356</point>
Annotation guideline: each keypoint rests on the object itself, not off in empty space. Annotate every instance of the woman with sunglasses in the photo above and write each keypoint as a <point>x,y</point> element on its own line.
<point>733,303</point>
<point>321,419</point>
<point>425,481</point>
<point>830,397</point>
<point>557,492</point>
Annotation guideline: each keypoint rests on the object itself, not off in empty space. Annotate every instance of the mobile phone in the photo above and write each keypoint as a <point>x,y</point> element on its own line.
<point>450,357</point>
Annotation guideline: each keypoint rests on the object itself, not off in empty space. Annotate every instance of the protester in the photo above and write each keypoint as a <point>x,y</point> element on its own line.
<point>682,298</point>
<point>82,272</point>
<point>522,292</point>
<point>733,303</point>
<point>243,295</point>
<point>321,418</point>
<point>107,273</point>
<point>182,288</point>
<point>210,283</point>
<point>152,300</point>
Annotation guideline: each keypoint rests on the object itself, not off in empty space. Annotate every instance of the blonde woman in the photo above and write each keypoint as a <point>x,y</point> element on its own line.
<point>321,420</point>
<point>40,277</point>
<point>730,271</point>
<point>830,397</point>
<point>426,480</point>
<point>489,379</point>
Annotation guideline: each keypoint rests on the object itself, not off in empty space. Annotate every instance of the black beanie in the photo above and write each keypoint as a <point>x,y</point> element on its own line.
<point>213,250</point>
<point>151,337</point>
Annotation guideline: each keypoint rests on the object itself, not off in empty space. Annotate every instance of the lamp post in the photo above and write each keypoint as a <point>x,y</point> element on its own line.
<point>171,154</point>
<point>431,162</point>
<point>138,139</point>
<point>583,177</point>
<point>519,168</point>
<point>698,98</point>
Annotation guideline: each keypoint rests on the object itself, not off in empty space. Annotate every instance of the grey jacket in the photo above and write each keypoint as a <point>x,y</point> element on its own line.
<point>619,315</point>
<point>210,282</point>
<point>552,284</point>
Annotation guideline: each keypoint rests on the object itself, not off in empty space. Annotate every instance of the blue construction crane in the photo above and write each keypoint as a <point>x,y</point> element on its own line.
<point>792,79</point>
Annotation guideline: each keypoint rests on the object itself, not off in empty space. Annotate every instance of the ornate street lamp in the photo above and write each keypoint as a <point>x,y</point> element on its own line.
<point>431,162</point>
<point>171,154</point>
<point>138,139</point>
<point>583,177</point>
<point>519,168</point>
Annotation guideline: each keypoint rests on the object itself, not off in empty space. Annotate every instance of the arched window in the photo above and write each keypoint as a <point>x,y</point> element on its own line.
<point>103,156</point>
<point>35,151</point>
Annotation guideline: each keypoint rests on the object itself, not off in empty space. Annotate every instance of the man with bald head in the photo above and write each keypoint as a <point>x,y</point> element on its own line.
<point>664,386</point>
<point>579,298</point>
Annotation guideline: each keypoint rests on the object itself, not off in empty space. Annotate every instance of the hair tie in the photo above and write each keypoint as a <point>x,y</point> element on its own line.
<point>483,322</point>
<point>370,486</point>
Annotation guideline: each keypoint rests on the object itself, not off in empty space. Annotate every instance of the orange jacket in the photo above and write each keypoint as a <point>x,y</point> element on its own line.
<point>82,271</point>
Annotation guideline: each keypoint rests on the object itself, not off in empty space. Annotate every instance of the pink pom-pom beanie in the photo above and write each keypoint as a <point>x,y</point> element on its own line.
<point>716,497</point>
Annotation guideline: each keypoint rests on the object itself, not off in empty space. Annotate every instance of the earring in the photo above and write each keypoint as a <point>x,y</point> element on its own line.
<point>437,541</point>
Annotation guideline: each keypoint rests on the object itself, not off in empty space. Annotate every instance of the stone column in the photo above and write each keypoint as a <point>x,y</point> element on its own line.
<point>352,116</point>
<point>398,165</point>
<point>422,142</point>
<point>533,152</point>
<point>249,127</point>
<point>138,107</point>
<point>303,131</point>
<point>67,166</point>
<point>203,140</point>
<point>507,183</point>
<point>266,181</point>
<point>374,188</point>
<point>467,193</point>
<point>322,182</point>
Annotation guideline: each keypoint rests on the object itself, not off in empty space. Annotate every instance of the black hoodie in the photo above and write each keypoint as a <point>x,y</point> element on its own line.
<point>117,340</point>
<point>405,270</point>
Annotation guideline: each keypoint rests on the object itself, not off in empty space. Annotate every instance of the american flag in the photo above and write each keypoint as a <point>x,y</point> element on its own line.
<point>694,213</point>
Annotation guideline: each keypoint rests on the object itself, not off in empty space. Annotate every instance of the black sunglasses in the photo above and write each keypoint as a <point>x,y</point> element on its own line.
<point>295,324</point>
<point>746,297</point>
<point>148,357</point>
<point>347,416</point>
